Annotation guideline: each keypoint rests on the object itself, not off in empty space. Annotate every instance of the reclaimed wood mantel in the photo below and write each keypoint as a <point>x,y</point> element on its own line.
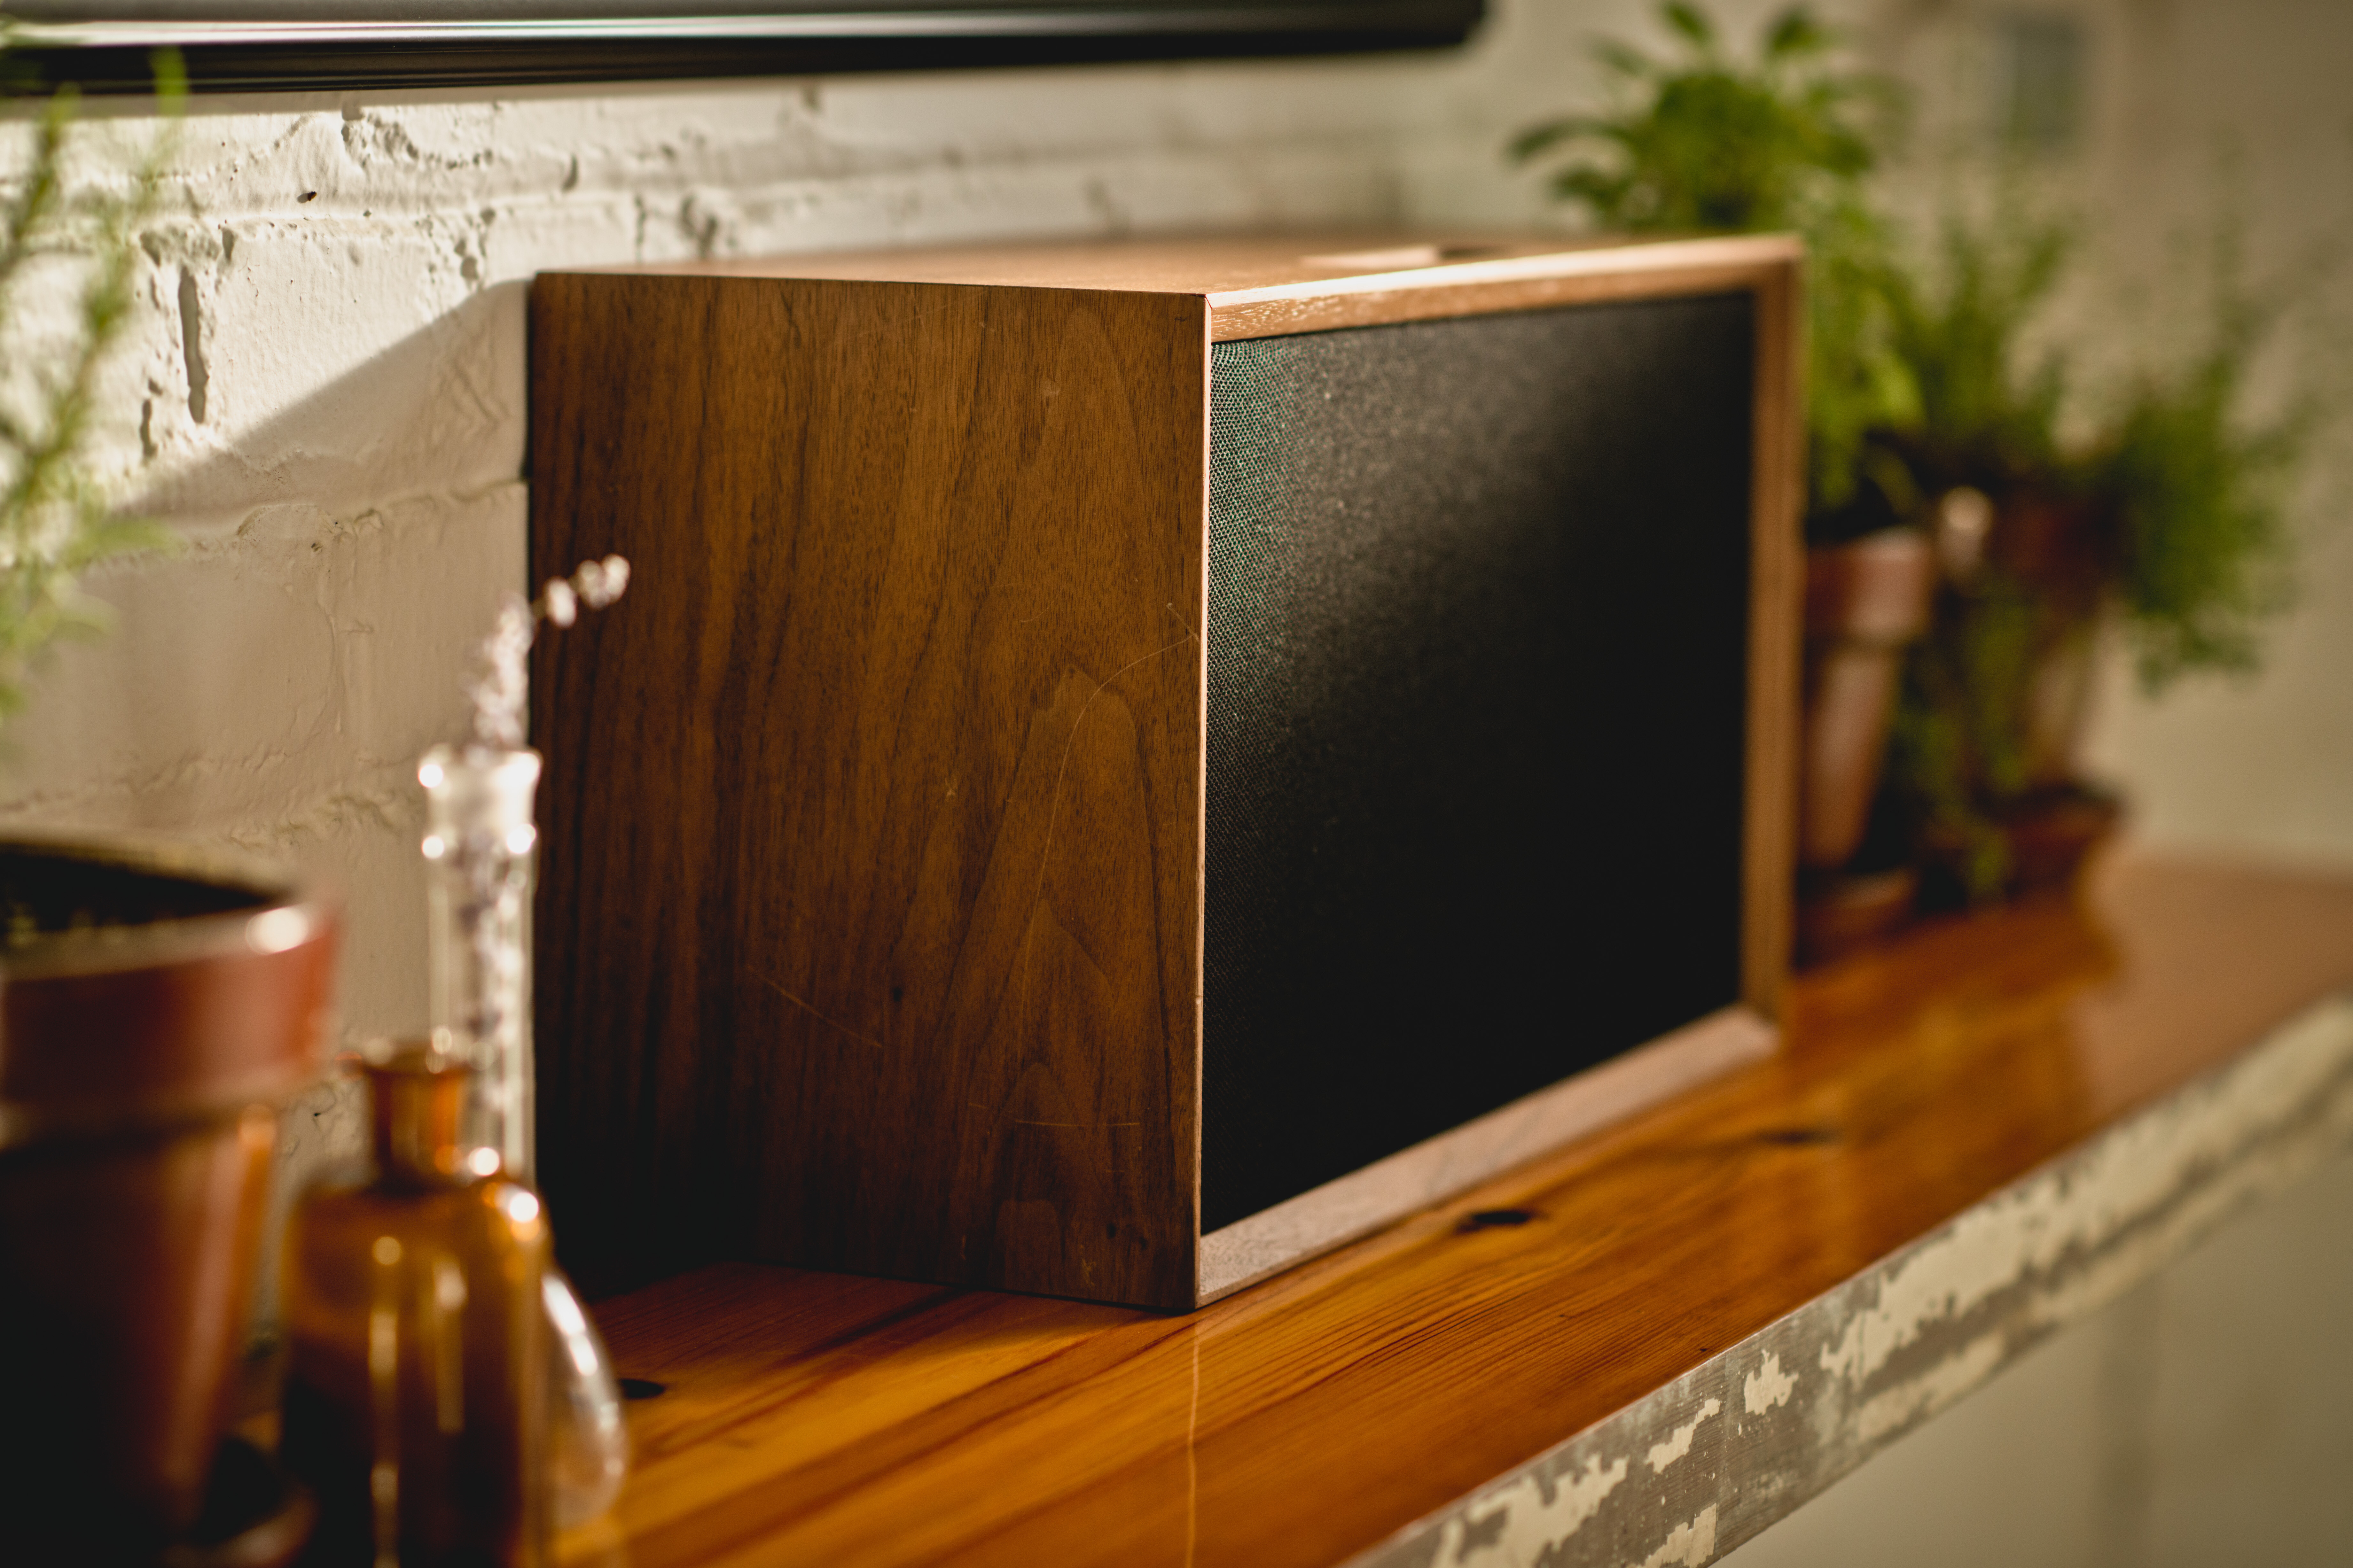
<point>1640,1351</point>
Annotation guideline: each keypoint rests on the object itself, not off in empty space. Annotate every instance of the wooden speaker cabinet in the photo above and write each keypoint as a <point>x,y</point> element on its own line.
<point>1125,766</point>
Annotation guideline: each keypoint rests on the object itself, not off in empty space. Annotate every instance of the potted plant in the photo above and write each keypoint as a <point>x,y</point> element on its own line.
<point>2165,520</point>
<point>156,1003</point>
<point>1963,556</point>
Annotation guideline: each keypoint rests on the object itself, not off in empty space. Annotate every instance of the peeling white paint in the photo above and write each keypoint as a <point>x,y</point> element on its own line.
<point>1768,1386</point>
<point>1512,1524</point>
<point>1687,1545</point>
<point>1884,1415</point>
<point>1664,1453</point>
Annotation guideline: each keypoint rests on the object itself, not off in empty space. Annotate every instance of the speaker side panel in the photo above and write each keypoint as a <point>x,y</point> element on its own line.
<point>868,923</point>
<point>1479,621</point>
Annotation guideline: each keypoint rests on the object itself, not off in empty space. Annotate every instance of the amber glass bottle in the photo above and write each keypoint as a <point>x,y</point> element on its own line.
<point>415,1396</point>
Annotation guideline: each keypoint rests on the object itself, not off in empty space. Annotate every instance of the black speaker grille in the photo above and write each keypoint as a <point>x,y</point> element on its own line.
<point>1478,626</point>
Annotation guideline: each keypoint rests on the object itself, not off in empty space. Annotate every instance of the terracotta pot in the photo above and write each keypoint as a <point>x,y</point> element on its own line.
<point>2058,707</point>
<point>156,1006</point>
<point>2052,831</point>
<point>2048,835</point>
<point>1864,602</point>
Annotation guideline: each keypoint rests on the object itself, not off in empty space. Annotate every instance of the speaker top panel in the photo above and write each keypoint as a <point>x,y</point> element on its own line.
<point>1267,285</point>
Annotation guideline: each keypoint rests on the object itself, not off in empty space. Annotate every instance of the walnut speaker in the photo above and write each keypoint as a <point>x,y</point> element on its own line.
<point>1125,766</point>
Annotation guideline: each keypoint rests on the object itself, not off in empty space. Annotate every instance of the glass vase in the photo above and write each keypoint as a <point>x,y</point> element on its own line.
<point>481,851</point>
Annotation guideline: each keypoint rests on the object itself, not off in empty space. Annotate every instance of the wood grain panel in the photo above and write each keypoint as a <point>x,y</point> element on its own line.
<point>1776,619</point>
<point>869,924</point>
<point>816,1418</point>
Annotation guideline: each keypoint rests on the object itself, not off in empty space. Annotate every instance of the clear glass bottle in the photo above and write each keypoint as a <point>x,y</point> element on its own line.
<point>481,851</point>
<point>417,1399</point>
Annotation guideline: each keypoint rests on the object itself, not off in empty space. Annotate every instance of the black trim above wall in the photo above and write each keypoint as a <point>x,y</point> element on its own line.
<point>313,45</point>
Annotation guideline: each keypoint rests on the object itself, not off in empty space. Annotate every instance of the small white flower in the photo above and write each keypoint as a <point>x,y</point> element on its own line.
<point>499,684</point>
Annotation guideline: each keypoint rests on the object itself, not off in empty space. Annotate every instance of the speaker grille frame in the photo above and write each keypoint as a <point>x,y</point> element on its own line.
<point>1418,633</point>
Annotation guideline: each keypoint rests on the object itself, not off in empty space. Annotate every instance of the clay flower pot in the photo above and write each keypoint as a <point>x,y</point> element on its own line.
<point>155,1008</point>
<point>2052,832</point>
<point>1865,602</point>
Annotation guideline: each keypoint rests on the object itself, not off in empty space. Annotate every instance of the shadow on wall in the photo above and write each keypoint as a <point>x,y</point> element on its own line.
<point>441,411</point>
<point>272,686</point>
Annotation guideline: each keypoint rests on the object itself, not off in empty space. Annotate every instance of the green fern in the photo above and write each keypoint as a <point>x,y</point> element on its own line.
<point>2204,553</point>
<point>1960,325</point>
<point>2172,516</point>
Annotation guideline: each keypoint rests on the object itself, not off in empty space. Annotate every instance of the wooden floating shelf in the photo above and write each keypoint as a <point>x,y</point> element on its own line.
<point>1663,1337</point>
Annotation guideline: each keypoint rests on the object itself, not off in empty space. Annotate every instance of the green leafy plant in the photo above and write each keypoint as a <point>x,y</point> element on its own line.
<point>2203,553</point>
<point>2169,515</point>
<point>56,522</point>
<point>1957,751</point>
<point>1962,744</point>
<point>1704,143</point>
<point>1958,323</point>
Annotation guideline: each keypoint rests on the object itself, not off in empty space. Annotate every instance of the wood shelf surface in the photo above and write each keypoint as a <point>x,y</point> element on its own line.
<point>1975,1135</point>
